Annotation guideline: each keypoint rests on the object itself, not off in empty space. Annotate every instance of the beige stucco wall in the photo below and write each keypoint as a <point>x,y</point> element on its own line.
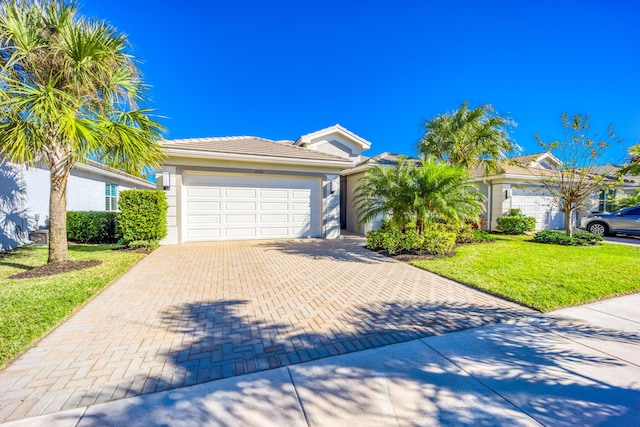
<point>352,212</point>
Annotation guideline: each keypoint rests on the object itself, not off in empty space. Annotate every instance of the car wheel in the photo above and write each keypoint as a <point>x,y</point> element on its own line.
<point>598,228</point>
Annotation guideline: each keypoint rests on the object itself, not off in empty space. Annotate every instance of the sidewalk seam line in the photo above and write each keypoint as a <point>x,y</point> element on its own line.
<point>295,390</point>
<point>485,385</point>
<point>584,345</point>
<point>81,416</point>
<point>612,315</point>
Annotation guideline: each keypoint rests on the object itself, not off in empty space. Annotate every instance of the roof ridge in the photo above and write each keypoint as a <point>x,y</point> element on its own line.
<point>215,138</point>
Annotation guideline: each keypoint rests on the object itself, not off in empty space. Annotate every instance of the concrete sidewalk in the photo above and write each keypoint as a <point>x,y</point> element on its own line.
<point>578,366</point>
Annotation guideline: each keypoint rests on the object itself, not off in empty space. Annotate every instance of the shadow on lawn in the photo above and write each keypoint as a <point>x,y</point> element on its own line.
<point>220,340</point>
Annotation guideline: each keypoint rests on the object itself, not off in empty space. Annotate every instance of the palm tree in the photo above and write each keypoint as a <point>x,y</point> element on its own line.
<point>423,193</point>
<point>633,168</point>
<point>69,91</point>
<point>386,191</point>
<point>468,138</point>
<point>444,192</point>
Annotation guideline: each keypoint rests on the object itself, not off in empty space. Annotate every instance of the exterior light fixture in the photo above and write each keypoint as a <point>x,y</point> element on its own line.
<point>166,181</point>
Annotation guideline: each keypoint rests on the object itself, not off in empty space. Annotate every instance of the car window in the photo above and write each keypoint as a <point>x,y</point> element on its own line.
<point>634,211</point>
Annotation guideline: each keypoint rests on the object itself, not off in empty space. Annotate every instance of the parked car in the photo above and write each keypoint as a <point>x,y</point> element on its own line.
<point>624,221</point>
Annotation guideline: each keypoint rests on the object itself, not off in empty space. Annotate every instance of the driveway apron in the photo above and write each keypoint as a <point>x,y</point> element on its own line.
<point>198,312</point>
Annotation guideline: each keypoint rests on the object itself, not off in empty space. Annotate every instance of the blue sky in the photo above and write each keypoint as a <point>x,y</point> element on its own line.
<point>280,69</point>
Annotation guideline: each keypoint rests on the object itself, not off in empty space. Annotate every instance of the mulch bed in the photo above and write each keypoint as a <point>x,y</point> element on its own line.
<point>411,256</point>
<point>55,268</point>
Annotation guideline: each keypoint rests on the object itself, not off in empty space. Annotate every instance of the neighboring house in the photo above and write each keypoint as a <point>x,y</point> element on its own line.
<point>517,186</point>
<point>24,196</point>
<point>235,188</point>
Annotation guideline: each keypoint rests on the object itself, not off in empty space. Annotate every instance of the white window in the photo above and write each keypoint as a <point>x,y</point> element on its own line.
<point>110,197</point>
<point>606,200</point>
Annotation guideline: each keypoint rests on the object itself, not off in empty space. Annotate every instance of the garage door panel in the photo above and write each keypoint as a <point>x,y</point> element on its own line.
<point>240,206</point>
<point>203,192</point>
<point>301,194</point>
<point>199,205</point>
<point>298,218</point>
<point>537,204</point>
<point>240,193</point>
<point>274,206</point>
<point>300,206</point>
<point>271,232</point>
<point>235,233</point>
<point>274,218</point>
<point>274,194</point>
<point>220,207</point>
<point>203,219</point>
<point>240,219</point>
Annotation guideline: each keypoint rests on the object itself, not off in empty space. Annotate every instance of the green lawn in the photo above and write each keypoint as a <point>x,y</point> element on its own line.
<point>29,308</point>
<point>544,277</point>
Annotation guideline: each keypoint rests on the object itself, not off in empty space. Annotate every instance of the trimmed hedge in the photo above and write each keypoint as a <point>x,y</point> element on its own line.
<point>579,238</point>
<point>143,215</point>
<point>434,240</point>
<point>92,227</point>
<point>515,224</point>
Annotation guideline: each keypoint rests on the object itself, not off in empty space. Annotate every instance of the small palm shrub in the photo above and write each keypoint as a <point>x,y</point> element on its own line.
<point>555,237</point>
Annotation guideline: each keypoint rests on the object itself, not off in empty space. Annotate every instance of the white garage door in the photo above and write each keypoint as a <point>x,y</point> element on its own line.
<point>239,207</point>
<point>538,205</point>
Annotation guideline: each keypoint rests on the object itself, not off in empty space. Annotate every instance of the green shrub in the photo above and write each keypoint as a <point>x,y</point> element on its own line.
<point>438,242</point>
<point>516,224</point>
<point>143,215</point>
<point>482,236</point>
<point>555,237</point>
<point>92,227</point>
<point>515,212</point>
<point>434,240</point>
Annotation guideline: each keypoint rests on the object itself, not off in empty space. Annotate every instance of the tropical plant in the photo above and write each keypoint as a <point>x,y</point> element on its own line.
<point>420,193</point>
<point>386,191</point>
<point>444,192</point>
<point>469,138</point>
<point>573,184</point>
<point>633,167</point>
<point>628,200</point>
<point>69,91</point>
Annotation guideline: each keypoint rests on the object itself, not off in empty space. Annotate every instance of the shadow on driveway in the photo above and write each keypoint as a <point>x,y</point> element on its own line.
<point>536,370</point>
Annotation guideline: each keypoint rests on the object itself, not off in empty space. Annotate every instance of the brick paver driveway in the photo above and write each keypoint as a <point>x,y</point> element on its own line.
<point>193,313</point>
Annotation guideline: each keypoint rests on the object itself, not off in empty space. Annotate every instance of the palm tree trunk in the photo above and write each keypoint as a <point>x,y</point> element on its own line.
<point>59,176</point>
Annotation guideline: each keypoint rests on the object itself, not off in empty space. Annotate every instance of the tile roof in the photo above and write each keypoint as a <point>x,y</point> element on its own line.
<point>385,158</point>
<point>252,146</point>
<point>106,168</point>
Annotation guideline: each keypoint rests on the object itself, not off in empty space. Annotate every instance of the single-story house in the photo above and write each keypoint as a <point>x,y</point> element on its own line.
<point>517,186</point>
<point>244,187</point>
<point>24,195</point>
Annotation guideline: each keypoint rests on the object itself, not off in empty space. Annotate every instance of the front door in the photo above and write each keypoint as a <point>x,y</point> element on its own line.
<point>343,202</point>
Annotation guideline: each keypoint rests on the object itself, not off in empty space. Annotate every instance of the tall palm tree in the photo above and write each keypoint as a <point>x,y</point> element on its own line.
<point>633,167</point>
<point>69,91</point>
<point>468,137</point>
<point>425,192</point>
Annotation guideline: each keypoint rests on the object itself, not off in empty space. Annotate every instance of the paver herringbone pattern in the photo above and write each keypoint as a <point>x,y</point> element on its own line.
<point>197,312</point>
